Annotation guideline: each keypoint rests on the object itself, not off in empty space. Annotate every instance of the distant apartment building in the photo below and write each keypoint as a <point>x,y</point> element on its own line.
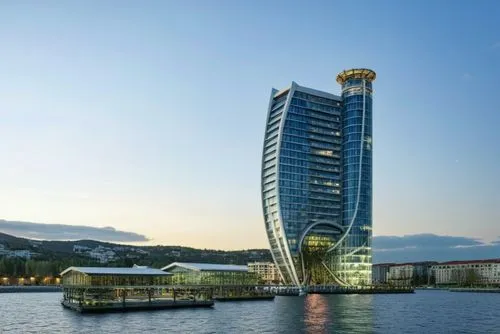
<point>21,253</point>
<point>102,254</point>
<point>267,271</point>
<point>411,274</point>
<point>81,249</point>
<point>467,273</point>
<point>3,251</point>
<point>380,272</point>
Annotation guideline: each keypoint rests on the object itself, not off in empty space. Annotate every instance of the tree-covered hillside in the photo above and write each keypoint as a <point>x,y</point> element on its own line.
<point>48,258</point>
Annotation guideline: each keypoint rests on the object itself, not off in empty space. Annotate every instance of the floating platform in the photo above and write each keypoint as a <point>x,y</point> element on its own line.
<point>136,306</point>
<point>244,298</point>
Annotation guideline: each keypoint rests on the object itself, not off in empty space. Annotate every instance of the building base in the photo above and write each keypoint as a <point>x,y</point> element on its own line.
<point>244,298</point>
<point>136,306</point>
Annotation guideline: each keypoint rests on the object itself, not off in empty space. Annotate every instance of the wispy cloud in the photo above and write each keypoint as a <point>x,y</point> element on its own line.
<point>466,76</point>
<point>421,247</point>
<point>67,232</point>
<point>422,240</point>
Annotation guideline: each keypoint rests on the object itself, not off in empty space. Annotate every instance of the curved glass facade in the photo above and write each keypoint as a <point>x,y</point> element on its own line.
<point>301,182</point>
<point>310,183</point>
<point>355,252</point>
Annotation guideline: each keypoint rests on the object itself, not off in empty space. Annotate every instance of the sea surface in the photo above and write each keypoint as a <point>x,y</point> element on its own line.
<point>434,311</point>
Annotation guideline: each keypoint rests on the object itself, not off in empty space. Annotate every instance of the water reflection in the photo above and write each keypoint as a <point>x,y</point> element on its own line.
<point>353,313</point>
<point>316,315</point>
<point>433,311</point>
<point>338,313</point>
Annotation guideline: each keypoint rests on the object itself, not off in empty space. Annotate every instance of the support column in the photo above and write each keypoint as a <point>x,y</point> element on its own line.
<point>124,294</point>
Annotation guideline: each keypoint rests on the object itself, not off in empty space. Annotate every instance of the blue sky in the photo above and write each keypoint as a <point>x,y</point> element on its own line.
<point>149,116</point>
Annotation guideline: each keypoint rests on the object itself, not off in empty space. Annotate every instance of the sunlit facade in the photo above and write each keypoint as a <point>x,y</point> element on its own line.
<point>316,182</point>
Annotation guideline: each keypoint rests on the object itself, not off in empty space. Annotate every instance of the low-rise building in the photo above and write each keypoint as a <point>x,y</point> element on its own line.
<point>22,253</point>
<point>411,274</point>
<point>210,274</point>
<point>81,249</point>
<point>94,289</point>
<point>3,250</point>
<point>102,254</point>
<point>266,271</point>
<point>468,273</point>
<point>380,272</point>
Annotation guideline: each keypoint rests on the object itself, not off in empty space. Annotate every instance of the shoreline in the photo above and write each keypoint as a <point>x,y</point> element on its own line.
<point>29,288</point>
<point>482,290</point>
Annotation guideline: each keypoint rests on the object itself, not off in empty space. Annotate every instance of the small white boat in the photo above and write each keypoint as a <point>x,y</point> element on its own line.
<point>302,292</point>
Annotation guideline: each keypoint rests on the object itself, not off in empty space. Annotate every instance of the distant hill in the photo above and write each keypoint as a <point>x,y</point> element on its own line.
<point>57,255</point>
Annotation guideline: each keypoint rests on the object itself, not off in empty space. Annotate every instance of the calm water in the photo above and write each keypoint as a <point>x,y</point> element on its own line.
<point>422,312</point>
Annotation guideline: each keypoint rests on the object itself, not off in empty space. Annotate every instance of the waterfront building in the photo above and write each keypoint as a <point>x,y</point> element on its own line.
<point>380,272</point>
<point>467,273</point>
<point>266,271</point>
<point>210,274</point>
<point>317,182</point>
<point>411,274</point>
<point>108,276</point>
<point>97,289</point>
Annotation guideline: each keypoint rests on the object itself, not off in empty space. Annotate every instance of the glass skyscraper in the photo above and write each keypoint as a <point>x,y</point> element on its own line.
<point>317,182</point>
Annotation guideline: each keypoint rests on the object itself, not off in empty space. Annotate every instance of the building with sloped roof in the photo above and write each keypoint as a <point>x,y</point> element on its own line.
<point>109,276</point>
<point>210,274</point>
<point>101,289</point>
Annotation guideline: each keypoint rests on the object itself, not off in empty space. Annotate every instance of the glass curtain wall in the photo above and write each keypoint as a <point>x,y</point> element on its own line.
<point>355,253</point>
<point>301,182</point>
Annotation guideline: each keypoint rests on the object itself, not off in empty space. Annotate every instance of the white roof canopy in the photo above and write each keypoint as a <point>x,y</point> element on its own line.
<point>206,267</point>
<point>138,271</point>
